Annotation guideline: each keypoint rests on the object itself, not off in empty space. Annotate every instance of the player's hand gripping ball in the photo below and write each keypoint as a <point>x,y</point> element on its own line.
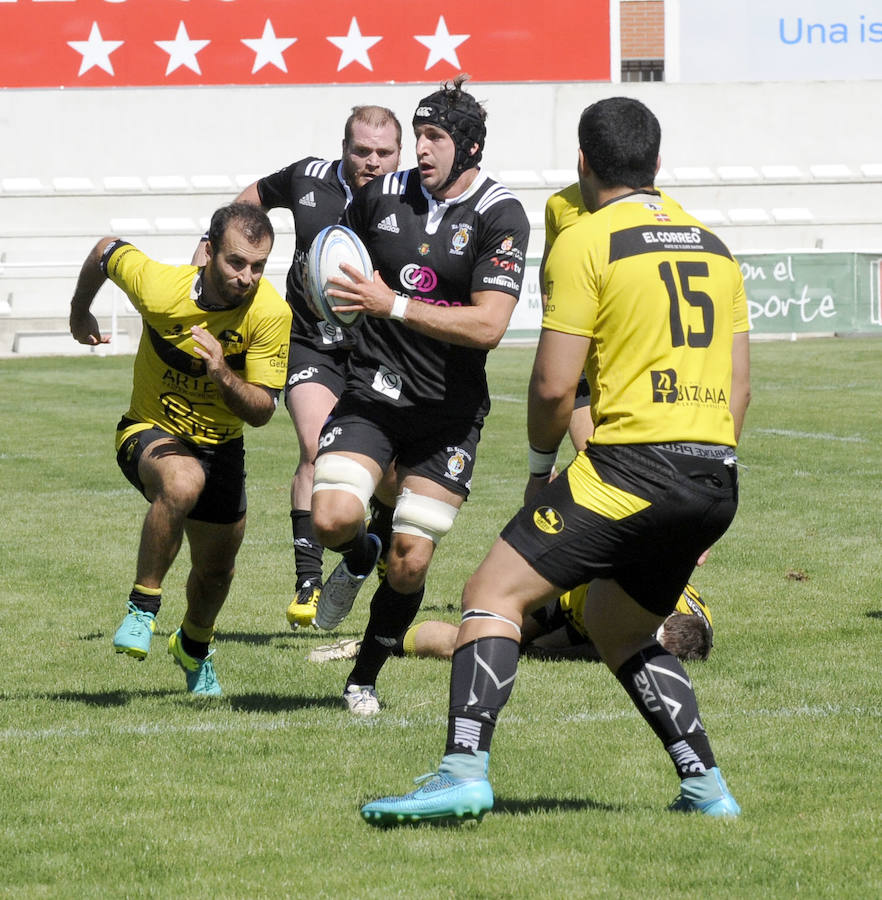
<point>334,245</point>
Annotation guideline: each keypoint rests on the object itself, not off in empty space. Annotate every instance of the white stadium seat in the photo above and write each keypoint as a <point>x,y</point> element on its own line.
<point>694,174</point>
<point>242,181</point>
<point>871,170</point>
<point>128,226</point>
<point>748,216</point>
<point>559,178</point>
<point>834,171</point>
<point>219,183</point>
<point>176,225</point>
<point>73,185</point>
<point>709,217</point>
<point>123,184</point>
<point>167,183</point>
<point>735,174</point>
<point>782,173</point>
<point>521,178</point>
<point>792,214</point>
<point>23,185</point>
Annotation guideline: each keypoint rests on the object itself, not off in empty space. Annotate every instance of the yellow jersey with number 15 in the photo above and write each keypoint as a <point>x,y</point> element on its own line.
<point>661,298</point>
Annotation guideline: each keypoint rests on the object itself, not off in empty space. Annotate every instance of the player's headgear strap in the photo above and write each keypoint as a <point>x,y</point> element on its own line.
<point>460,115</point>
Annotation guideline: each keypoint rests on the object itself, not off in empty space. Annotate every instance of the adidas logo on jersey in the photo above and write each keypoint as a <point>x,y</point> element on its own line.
<point>307,199</point>
<point>390,223</point>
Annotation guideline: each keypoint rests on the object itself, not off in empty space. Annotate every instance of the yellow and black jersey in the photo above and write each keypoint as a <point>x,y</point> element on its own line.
<point>572,605</point>
<point>171,389</point>
<point>562,210</point>
<point>661,297</point>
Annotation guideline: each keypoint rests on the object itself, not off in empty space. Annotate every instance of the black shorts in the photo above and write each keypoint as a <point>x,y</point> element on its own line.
<point>306,365</point>
<point>222,500</point>
<point>637,513</point>
<point>438,448</point>
<point>583,393</point>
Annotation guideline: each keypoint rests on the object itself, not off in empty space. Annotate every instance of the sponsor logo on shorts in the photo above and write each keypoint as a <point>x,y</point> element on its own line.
<point>456,462</point>
<point>387,383</point>
<point>329,437</point>
<point>548,519</point>
<point>302,375</point>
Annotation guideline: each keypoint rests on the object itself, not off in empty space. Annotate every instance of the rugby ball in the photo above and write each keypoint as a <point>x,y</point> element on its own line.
<point>334,245</point>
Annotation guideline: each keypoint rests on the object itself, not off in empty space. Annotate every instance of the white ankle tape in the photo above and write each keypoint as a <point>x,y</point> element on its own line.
<point>488,614</point>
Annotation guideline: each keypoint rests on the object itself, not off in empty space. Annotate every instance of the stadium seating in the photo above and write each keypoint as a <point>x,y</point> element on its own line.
<point>50,221</point>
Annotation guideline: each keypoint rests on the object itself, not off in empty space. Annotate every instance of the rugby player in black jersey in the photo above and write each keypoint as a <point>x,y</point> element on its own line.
<point>317,192</point>
<point>448,246</point>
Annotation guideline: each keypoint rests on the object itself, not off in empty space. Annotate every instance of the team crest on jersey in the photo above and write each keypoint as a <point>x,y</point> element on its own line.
<point>547,519</point>
<point>460,238</point>
<point>423,249</point>
<point>662,217</point>
<point>506,244</point>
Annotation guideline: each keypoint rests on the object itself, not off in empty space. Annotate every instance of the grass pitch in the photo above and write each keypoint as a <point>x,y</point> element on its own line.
<point>115,783</point>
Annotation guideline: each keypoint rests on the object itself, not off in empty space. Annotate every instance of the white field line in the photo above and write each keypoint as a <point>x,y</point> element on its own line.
<point>811,435</point>
<point>247,724</point>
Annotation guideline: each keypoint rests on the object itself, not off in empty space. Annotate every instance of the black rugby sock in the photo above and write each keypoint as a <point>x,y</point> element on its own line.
<point>360,553</point>
<point>307,549</point>
<point>391,615</point>
<point>481,680</point>
<point>146,599</point>
<point>662,692</point>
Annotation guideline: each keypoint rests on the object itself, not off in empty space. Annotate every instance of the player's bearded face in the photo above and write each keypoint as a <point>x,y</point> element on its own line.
<point>369,152</point>
<point>234,272</point>
<point>435,153</point>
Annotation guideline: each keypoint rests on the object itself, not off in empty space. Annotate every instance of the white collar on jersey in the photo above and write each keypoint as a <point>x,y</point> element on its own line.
<point>342,181</point>
<point>437,208</point>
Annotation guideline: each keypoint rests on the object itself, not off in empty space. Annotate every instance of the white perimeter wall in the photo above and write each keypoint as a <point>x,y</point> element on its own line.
<point>531,126</point>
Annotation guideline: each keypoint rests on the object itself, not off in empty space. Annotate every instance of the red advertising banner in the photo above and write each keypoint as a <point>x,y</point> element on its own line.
<point>104,43</point>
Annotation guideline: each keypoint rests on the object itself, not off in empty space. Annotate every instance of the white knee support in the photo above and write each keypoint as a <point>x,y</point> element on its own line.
<point>422,516</point>
<point>334,472</point>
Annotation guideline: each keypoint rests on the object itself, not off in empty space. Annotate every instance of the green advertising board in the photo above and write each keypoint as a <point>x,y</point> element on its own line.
<point>812,293</point>
<point>788,294</point>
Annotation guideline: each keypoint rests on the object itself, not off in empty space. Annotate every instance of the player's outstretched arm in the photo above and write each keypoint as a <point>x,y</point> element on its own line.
<point>83,325</point>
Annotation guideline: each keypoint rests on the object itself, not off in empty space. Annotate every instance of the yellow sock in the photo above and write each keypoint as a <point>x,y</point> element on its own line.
<point>409,642</point>
<point>196,633</point>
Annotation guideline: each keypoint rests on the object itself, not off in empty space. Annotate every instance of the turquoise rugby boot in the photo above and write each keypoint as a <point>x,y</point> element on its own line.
<point>451,793</point>
<point>201,679</point>
<point>136,632</point>
<point>706,794</point>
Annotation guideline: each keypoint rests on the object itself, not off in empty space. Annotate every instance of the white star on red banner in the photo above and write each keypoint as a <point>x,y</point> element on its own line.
<point>95,51</point>
<point>268,48</point>
<point>182,51</point>
<point>442,44</point>
<point>354,46</point>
